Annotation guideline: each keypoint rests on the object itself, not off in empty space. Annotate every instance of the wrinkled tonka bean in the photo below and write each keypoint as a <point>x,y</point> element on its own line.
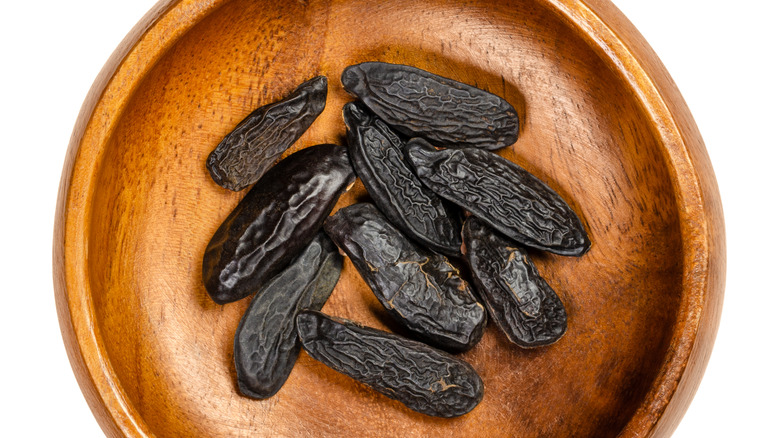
<point>266,343</point>
<point>277,218</point>
<point>419,288</point>
<point>247,152</point>
<point>501,193</point>
<point>421,104</point>
<point>520,302</point>
<point>424,379</point>
<point>377,156</point>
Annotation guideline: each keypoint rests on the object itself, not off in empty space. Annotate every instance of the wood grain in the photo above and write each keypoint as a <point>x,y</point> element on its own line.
<point>605,127</point>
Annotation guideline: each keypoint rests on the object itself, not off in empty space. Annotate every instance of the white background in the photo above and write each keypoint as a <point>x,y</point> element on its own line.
<point>722,54</point>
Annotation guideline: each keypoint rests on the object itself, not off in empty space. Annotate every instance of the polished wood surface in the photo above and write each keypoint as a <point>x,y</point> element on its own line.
<point>605,127</point>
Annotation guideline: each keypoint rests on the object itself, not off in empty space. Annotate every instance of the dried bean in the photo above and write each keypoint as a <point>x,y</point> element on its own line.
<point>424,379</point>
<point>378,160</point>
<point>275,221</point>
<point>521,303</point>
<point>245,154</point>
<point>266,343</point>
<point>421,104</point>
<point>501,193</point>
<point>419,288</point>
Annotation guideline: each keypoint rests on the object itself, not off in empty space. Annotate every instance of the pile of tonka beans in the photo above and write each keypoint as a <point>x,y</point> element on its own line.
<point>421,144</point>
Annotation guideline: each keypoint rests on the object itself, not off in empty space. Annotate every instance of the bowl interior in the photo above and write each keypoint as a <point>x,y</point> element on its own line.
<point>156,208</point>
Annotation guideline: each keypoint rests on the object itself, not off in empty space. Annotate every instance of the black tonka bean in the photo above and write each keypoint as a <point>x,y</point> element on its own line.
<point>247,152</point>
<point>266,344</point>
<point>279,216</point>
<point>519,300</point>
<point>419,288</point>
<point>377,156</point>
<point>421,104</point>
<point>424,379</point>
<point>501,193</point>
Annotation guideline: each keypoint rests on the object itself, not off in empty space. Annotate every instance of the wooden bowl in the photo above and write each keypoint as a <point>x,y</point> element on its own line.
<point>605,127</point>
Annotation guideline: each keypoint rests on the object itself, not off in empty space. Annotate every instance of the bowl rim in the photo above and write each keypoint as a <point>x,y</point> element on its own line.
<point>598,22</point>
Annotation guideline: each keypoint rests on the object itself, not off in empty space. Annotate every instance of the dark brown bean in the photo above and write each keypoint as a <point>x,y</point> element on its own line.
<point>419,288</point>
<point>266,344</point>
<point>521,303</point>
<point>275,221</point>
<point>245,154</point>
<point>424,379</point>
<point>421,104</point>
<point>501,193</point>
<point>377,156</point>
